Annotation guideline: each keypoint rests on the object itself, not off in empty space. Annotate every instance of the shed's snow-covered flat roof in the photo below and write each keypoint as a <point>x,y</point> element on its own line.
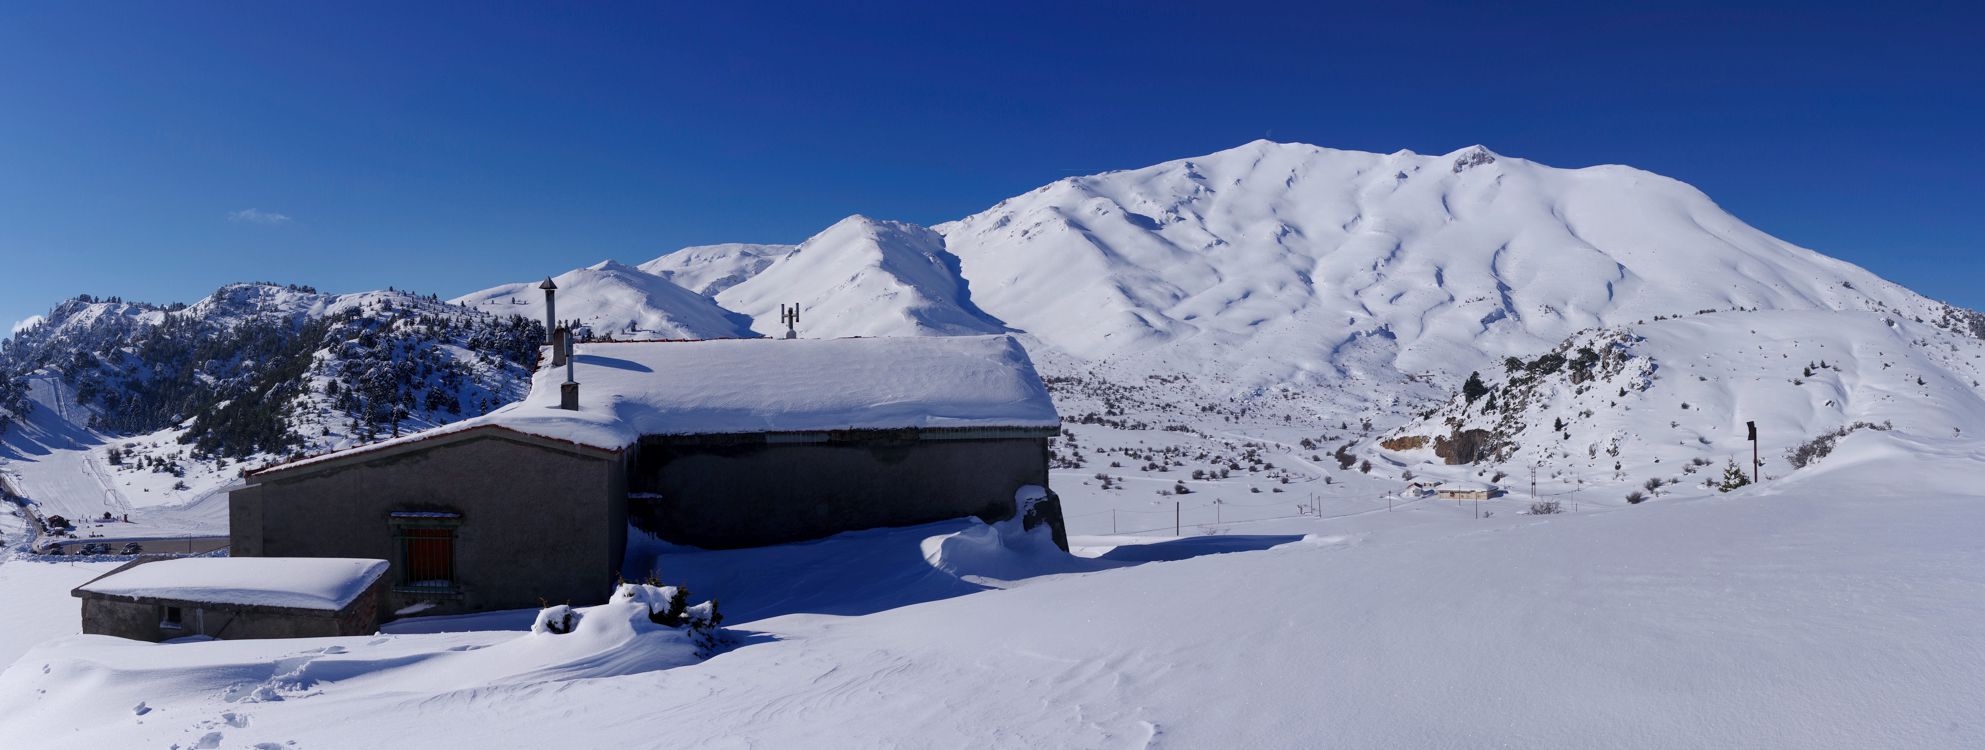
<point>747,386</point>
<point>327,583</point>
<point>1463,485</point>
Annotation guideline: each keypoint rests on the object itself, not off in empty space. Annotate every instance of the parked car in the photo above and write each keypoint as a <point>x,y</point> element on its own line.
<point>132,548</point>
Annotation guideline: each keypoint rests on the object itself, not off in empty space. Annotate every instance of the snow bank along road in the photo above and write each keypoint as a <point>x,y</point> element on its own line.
<point>1827,610</point>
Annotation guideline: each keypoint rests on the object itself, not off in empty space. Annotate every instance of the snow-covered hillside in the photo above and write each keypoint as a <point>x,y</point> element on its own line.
<point>147,410</point>
<point>1669,400</point>
<point>1288,261</point>
<point>709,269</point>
<point>863,277</point>
<point>617,300</point>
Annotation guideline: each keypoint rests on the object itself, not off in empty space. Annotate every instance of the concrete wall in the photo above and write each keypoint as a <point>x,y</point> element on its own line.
<point>537,522</point>
<point>724,496</point>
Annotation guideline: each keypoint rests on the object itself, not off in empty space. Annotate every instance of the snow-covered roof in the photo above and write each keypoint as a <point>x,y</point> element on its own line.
<point>327,583</point>
<point>749,386</point>
<point>1463,485</point>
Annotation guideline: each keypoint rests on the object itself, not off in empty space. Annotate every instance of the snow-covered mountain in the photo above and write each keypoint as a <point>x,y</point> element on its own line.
<point>863,277</point>
<point>262,369</point>
<point>1342,287</point>
<point>1670,399</point>
<point>1290,261</point>
<point>615,299</point>
<point>709,269</point>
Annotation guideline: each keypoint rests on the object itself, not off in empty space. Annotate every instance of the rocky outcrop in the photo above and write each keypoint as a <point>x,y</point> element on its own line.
<point>1467,446</point>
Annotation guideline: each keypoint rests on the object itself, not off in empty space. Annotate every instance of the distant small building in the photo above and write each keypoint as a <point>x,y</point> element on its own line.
<point>158,599</point>
<point>1465,490</point>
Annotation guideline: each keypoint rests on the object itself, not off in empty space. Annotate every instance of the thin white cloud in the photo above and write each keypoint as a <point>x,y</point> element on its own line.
<point>30,322</point>
<point>257,216</point>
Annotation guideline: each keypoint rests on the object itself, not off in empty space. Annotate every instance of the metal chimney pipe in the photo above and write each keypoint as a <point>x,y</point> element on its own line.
<point>550,309</point>
<point>568,393</point>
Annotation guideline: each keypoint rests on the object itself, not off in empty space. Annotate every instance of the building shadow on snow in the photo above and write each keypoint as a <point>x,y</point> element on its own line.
<point>1190,547</point>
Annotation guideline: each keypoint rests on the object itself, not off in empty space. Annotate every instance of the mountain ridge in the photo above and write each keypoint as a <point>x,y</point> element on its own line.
<point>1365,285</point>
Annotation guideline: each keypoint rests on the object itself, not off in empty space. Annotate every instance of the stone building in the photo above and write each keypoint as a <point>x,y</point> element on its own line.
<point>716,444</point>
<point>1465,490</point>
<point>154,599</point>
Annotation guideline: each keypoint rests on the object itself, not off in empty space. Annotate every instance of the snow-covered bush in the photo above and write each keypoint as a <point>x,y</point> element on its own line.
<point>556,620</point>
<point>1545,508</point>
<point>668,606</point>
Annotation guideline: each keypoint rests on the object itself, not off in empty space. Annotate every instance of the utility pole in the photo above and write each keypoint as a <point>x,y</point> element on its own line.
<point>1175,519</point>
<point>1579,484</point>
<point>1113,521</point>
<point>1533,480</point>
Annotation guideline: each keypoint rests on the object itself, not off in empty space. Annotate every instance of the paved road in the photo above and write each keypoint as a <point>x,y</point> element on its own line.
<point>155,545</point>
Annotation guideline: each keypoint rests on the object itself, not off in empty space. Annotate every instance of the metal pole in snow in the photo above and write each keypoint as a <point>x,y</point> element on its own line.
<point>1175,519</point>
<point>1754,450</point>
<point>1113,520</point>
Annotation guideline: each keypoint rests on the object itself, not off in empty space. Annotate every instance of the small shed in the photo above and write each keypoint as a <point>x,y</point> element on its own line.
<point>1465,490</point>
<point>160,599</point>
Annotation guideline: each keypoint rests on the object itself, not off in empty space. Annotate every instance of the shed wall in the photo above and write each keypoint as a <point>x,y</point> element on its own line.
<point>536,523</point>
<point>144,620</point>
<point>743,495</point>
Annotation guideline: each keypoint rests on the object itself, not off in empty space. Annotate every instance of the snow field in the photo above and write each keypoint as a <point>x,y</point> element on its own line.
<point>1826,610</point>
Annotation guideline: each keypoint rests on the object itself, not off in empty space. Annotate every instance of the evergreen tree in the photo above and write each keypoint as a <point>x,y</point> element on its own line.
<point>1733,477</point>
<point>1473,389</point>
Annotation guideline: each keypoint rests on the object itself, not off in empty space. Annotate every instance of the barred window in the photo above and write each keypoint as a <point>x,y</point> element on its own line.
<point>427,551</point>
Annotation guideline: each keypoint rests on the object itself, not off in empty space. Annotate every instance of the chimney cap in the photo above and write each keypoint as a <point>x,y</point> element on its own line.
<point>547,284</point>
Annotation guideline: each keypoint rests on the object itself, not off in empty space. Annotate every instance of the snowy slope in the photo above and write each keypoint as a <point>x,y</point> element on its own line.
<point>148,410</point>
<point>618,300</point>
<point>1294,259</point>
<point>864,277</point>
<point>1675,401</point>
<point>709,269</point>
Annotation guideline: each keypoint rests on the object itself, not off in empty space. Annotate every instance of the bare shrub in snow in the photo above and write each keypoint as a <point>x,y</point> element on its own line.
<point>1545,508</point>
<point>1636,497</point>
<point>1819,447</point>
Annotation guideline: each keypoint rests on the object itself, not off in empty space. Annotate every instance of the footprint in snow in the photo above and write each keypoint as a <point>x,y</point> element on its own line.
<point>208,741</point>
<point>238,721</point>
<point>141,709</point>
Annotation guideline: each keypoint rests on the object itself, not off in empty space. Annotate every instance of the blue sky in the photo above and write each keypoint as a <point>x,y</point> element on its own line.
<point>156,151</point>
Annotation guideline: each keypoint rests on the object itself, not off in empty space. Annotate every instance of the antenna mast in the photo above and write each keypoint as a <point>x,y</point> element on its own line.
<point>791,317</point>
